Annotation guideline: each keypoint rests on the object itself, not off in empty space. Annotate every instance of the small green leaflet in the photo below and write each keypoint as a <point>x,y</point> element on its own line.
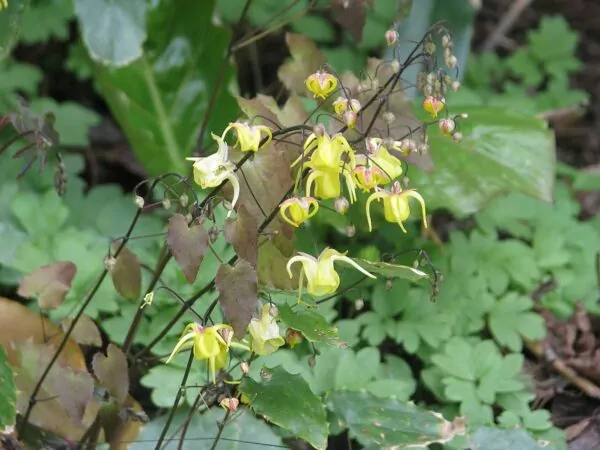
<point>311,324</point>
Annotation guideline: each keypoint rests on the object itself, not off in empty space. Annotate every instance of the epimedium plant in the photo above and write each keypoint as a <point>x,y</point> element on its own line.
<point>320,140</point>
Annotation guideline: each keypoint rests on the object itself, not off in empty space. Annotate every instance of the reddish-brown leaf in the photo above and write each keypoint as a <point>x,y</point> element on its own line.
<point>67,407</point>
<point>111,370</point>
<point>85,331</point>
<point>351,15</point>
<point>187,245</point>
<point>126,274</point>
<point>238,294</point>
<point>242,233</point>
<point>306,59</point>
<point>49,284</point>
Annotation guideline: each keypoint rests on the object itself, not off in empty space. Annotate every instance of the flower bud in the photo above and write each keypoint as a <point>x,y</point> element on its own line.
<point>166,203</point>
<point>447,126</point>
<point>446,41</point>
<point>245,367</point>
<point>355,105</point>
<point>350,231</point>
<point>451,61</point>
<point>463,116</point>
<point>147,299</point>
<point>349,118</point>
<point>455,85</point>
<point>388,117</point>
<point>293,337</point>
<point>109,262</point>
<point>389,283</point>
<point>428,90</point>
<point>395,65</point>
<point>422,148</point>
<point>458,136</point>
<point>213,233</point>
<point>359,304</point>
<point>447,53</point>
<point>183,200</point>
<point>319,130</point>
<point>429,48</point>
<point>391,36</point>
<point>139,201</point>
<point>341,205</point>
<point>229,403</point>
<point>273,311</point>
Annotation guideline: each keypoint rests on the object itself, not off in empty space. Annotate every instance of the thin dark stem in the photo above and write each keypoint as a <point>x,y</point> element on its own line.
<point>160,267</point>
<point>221,428</point>
<point>63,343</point>
<point>186,374</point>
<point>188,420</point>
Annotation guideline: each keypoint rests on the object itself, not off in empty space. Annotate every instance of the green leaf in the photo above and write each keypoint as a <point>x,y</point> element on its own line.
<point>113,31</point>
<point>46,19</point>
<point>16,76</point>
<point>510,151</point>
<point>554,43</point>
<point>8,392</point>
<point>522,64</point>
<point>315,27</point>
<point>486,438</point>
<point>287,401</point>
<point>160,100</point>
<point>511,317</point>
<point>311,324</point>
<point>389,422</point>
<point>243,432</point>
<point>456,359</point>
<point>388,270</point>
<point>10,21</point>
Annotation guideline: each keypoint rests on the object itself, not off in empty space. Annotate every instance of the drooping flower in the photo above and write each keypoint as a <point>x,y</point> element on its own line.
<point>327,153</point>
<point>211,171</point>
<point>248,136</point>
<point>433,105</point>
<point>327,183</point>
<point>367,178</point>
<point>297,210</point>
<point>395,205</point>
<point>321,277</point>
<point>229,403</point>
<point>447,126</point>
<point>207,343</point>
<point>264,333</point>
<point>321,84</point>
<point>378,156</point>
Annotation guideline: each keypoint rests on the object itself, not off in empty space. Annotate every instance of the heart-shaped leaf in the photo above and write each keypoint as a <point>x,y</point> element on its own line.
<point>111,370</point>
<point>85,331</point>
<point>311,324</point>
<point>287,401</point>
<point>351,15</point>
<point>389,422</point>
<point>238,294</point>
<point>49,284</point>
<point>161,99</point>
<point>67,408</point>
<point>242,233</point>
<point>8,392</point>
<point>113,31</point>
<point>126,274</point>
<point>187,245</point>
<point>501,152</point>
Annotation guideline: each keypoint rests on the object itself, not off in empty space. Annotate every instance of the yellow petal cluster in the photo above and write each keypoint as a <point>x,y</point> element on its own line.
<point>396,208</point>
<point>264,333</point>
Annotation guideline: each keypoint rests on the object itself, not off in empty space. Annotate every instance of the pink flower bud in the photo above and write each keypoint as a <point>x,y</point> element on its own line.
<point>391,37</point>
<point>230,403</point>
<point>341,205</point>
<point>447,126</point>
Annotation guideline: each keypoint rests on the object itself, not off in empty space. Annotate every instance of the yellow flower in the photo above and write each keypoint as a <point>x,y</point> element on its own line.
<point>249,136</point>
<point>211,171</point>
<point>321,277</point>
<point>368,178</point>
<point>341,104</point>
<point>207,343</point>
<point>395,205</point>
<point>321,84</point>
<point>327,153</point>
<point>297,210</point>
<point>264,333</point>
<point>378,156</point>
<point>433,105</point>
<point>327,183</point>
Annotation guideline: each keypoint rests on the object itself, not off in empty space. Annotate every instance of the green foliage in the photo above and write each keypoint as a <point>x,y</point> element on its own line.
<point>8,392</point>
<point>287,401</point>
<point>533,79</point>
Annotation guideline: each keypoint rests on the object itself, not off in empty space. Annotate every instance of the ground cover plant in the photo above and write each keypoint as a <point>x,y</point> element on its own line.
<point>375,254</point>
